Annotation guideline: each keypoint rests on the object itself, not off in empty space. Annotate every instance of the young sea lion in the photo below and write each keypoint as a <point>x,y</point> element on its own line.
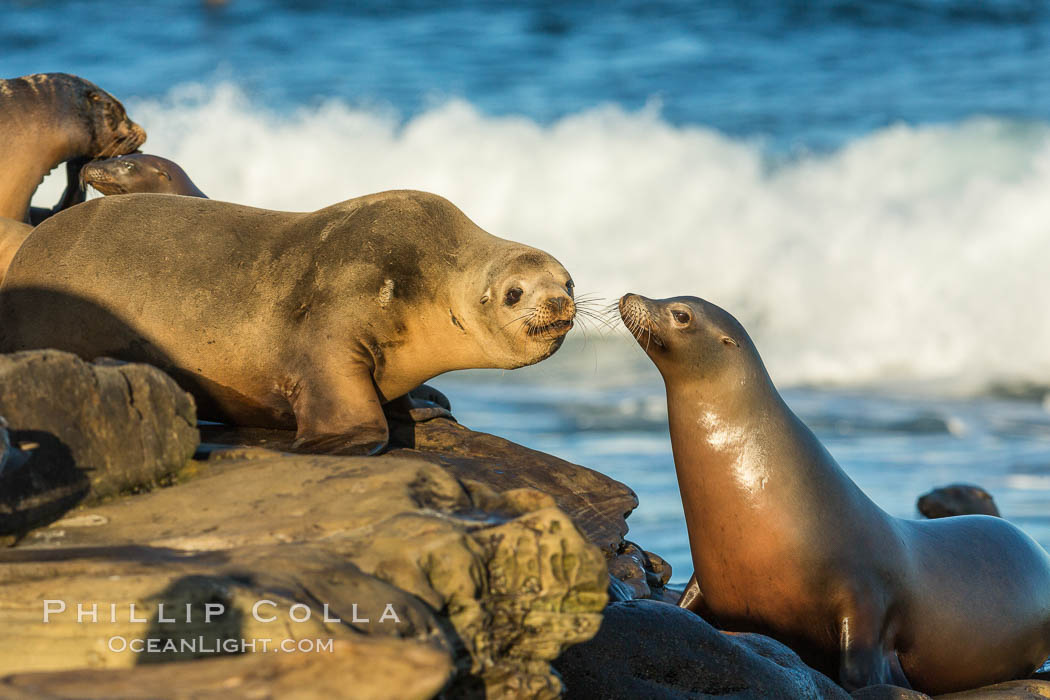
<point>784,543</point>
<point>290,320</point>
<point>138,172</point>
<point>50,118</point>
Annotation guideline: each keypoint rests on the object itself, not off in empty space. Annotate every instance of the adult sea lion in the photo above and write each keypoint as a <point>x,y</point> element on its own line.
<point>784,543</point>
<point>49,118</point>
<point>138,172</point>
<point>292,320</point>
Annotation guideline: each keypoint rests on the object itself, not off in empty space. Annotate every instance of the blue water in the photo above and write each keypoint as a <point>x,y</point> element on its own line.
<point>864,184</point>
<point>800,73</point>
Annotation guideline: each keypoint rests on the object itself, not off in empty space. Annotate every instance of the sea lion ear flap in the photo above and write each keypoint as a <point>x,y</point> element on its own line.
<point>94,96</point>
<point>726,340</point>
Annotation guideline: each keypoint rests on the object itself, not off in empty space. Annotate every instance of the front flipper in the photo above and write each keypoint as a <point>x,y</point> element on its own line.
<point>425,392</point>
<point>348,444</point>
<point>415,410</point>
<point>338,413</point>
<point>863,657</point>
<point>692,598</point>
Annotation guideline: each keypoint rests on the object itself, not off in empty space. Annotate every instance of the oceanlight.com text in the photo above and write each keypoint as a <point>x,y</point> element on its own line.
<point>217,645</point>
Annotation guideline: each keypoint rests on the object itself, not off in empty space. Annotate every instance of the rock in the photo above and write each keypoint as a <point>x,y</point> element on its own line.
<point>647,649</point>
<point>11,457</point>
<point>658,570</point>
<point>161,582</point>
<point>619,592</point>
<point>597,504</point>
<point>508,577</point>
<point>94,431</point>
<point>356,669</point>
<point>957,499</point>
<point>629,566</point>
<point>1012,690</point>
<point>887,692</point>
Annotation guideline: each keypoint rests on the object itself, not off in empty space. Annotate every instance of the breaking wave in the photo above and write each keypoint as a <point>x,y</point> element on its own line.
<point>914,253</point>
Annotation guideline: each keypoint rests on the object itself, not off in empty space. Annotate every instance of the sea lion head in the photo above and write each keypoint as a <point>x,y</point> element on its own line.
<point>690,339</point>
<point>136,172</point>
<point>527,300</point>
<point>108,130</point>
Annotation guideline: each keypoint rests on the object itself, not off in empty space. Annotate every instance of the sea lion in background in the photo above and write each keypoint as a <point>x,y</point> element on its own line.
<point>785,544</point>
<point>957,499</point>
<point>309,321</point>
<point>50,118</point>
<point>138,172</point>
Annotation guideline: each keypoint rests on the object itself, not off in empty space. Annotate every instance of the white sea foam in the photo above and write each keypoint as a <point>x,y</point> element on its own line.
<point>913,253</point>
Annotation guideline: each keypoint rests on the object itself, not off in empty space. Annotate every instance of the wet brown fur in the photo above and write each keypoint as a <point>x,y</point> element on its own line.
<point>784,543</point>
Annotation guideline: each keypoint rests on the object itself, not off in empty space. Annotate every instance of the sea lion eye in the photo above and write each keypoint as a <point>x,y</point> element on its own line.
<point>569,286</point>
<point>680,316</point>
<point>513,296</point>
<point>128,165</point>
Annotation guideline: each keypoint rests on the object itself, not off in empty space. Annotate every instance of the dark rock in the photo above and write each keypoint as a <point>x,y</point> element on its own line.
<point>659,571</point>
<point>91,432</point>
<point>629,567</point>
<point>619,591</point>
<point>647,649</point>
<point>957,499</point>
<point>11,457</point>
<point>671,596</point>
<point>887,692</point>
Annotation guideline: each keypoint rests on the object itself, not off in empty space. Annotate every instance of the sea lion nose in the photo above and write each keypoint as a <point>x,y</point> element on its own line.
<point>561,306</point>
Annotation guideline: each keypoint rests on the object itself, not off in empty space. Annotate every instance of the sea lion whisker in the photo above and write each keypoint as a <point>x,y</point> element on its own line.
<point>519,318</point>
<point>585,314</point>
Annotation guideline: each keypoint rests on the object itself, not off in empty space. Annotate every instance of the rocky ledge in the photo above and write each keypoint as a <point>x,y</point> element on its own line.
<point>456,565</point>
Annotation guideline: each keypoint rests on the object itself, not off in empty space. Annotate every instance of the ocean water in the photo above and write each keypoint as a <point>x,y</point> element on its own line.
<point>863,184</point>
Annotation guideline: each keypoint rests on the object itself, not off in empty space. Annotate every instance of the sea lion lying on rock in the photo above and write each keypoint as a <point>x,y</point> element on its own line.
<point>138,172</point>
<point>784,543</point>
<point>310,321</point>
